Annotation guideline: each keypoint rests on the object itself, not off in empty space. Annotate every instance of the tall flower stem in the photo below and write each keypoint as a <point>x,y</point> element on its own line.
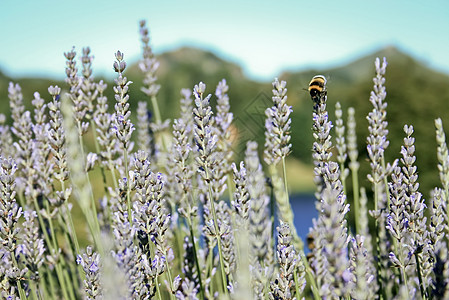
<point>19,286</point>
<point>158,290</point>
<point>284,169</point>
<point>149,65</point>
<point>97,150</point>
<point>217,230</point>
<point>207,142</point>
<point>354,166</point>
<point>418,270</point>
<point>72,228</point>
<point>51,244</point>
<point>378,264</point>
<point>123,126</point>
<point>355,190</point>
<point>198,269</point>
<point>128,196</point>
<point>76,162</point>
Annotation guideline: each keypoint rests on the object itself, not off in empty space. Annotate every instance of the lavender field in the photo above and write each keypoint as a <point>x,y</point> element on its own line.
<point>101,202</point>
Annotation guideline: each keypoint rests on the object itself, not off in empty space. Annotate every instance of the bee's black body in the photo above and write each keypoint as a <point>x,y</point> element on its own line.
<point>317,85</point>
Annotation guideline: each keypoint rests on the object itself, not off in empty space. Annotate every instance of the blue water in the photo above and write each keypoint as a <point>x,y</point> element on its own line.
<point>304,210</point>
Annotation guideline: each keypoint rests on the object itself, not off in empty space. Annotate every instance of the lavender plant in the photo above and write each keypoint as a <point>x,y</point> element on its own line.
<point>377,143</point>
<point>354,166</point>
<point>162,226</point>
<point>340,144</point>
<point>206,142</point>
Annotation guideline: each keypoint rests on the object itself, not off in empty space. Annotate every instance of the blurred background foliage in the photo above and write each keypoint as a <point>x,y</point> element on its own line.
<point>416,95</point>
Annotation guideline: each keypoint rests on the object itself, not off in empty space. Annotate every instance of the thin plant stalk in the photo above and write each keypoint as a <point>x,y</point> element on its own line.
<point>386,183</point>
<point>379,276</point>
<point>170,280</point>
<point>112,170</point>
<point>59,269</point>
<point>51,244</point>
<point>220,253</point>
<point>97,150</point>
<point>418,269</point>
<point>158,290</point>
<point>128,193</point>
<point>35,288</point>
<point>404,279</point>
<point>19,286</point>
<point>72,228</point>
<point>352,153</point>
<point>69,283</point>
<point>89,184</point>
<point>68,216</point>
<point>355,190</point>
<point>309,272</point>
<point>198,269</point>
<point>295,278</point>
<point>51,283</point>
<point>157,115</point>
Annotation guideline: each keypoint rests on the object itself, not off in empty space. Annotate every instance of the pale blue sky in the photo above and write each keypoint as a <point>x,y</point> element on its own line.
<point>265,37</point>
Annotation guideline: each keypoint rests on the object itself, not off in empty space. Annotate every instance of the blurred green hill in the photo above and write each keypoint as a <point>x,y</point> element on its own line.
<point>416,95</point>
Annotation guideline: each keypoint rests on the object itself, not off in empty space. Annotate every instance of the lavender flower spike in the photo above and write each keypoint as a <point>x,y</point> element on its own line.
<point>277,125</point>
<point>90,262</point>
<point>123,127</point>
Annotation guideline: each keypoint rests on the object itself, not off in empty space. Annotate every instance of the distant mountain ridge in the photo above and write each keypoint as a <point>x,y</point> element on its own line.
<point>416,95</point>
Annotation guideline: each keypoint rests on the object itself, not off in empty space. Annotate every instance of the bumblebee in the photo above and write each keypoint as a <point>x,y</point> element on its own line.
<point>317,85</point>
<point>311,245</point>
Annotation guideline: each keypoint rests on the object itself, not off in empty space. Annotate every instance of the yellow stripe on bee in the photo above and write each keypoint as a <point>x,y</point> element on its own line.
<point>317,84</point>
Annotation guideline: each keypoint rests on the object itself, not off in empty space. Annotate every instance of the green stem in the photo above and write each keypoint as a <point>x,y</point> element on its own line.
<point>112,170</point>
<point>58,267</point>
<point>312,282</point>
<point>421,284</point>
<point>157,115</point>
<point>214,215</point>
<point>179,242</point>
<point>387,189</point>
<point>198,270</point>
<point>74,280</point>
<point>284,169</point>
<point>272,211</point>
<point>404,279</point>
<point>158,290</point>
<point>210,265</point>
<point>343,177</point>
<point>93,230</point>
<point>69,282</point>
<point>89,185</point>
<point>381,291</point>
<point>297,240</point>
<point>93,204</point>
<point>52,284</point>
<point>355,191</point>
<point>68,216</point>
<point>59,274</point>
<point>51,244</point>
<point>34,292</point>
<point>170,280</point>
<point>71,229</point>
<point>230,182</point>
<point>37,290</point>
<point>97,150</point>
<point>128,196</point>
<point>19,285</point>
<point>295,277</point>
<point>21,201</point>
